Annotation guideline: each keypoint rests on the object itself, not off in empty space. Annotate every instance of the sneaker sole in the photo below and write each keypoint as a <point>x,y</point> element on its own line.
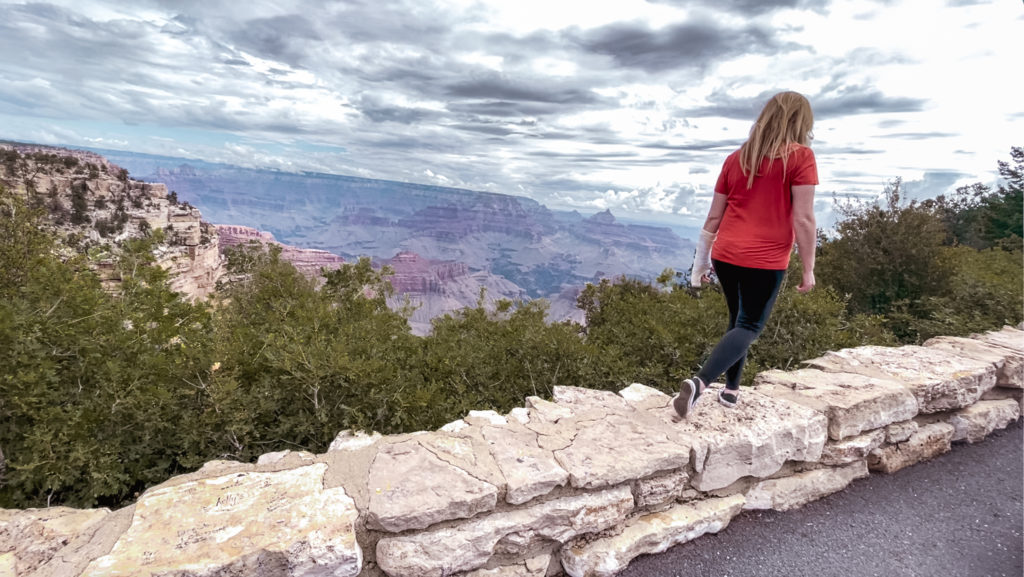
<point>682,406</point>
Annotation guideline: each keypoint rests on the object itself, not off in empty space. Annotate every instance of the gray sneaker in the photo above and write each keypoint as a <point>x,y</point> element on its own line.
<point>688,393</point>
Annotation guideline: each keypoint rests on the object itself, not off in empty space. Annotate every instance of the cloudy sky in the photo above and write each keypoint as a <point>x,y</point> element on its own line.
<point>627,104</point>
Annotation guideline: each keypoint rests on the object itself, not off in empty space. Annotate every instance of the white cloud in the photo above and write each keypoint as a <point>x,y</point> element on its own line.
<point>576,103</point>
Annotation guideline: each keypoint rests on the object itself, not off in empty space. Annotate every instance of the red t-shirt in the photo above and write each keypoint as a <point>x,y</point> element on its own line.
<point>757,227</point>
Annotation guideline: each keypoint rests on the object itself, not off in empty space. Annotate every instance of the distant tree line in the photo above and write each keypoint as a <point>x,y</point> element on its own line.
<point>102,396</point>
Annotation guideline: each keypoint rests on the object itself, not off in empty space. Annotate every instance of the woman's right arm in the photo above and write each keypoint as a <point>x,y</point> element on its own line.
<point>806,232</point>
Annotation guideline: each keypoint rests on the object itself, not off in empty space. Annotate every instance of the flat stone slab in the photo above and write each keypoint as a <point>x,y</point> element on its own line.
<point>620,448</point>
<point>978,421</point>
<point>30,538</point>
<point>602,440</point>
<point>642,397</point>
<point>532,567</point>
<point>1007,337</point>
<point>413,487</point>
<point>853,449</point>
<point>853,403</point>
<point>1001,393</point>
<point>648,534</point>
<point>1009,363</point>
<point>899,432</point>
<point>940,381</point>
<point>755,438</point>
<point>529,471</point>
<point>470,545</point>
<point>281,523</point>
<point>928,442</point>
<point>797,490</point>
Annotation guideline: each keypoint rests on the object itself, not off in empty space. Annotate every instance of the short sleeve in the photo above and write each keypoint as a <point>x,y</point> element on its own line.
<point>805,169</point>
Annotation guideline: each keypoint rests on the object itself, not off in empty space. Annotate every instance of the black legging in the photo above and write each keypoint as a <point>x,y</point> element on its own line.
<point>750,295</point>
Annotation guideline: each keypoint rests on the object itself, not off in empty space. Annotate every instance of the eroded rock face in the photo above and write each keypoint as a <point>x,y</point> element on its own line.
<point>853,403</point>
<point>532,567</point>
<point>899,432</point>
<point>797,490</point>
<point>529,470</point>
<point>620,448</point>
<point>1007,337</point>
<point>1009,363</point>
<point>411,487</point>
<point>30,538</point>
<point>753,439</point>
<point>976,422</point>
<point>940,381</point>
<point>282,523</point>
<point>471,544</point>
<point>307,261</point>
<point>648,534</point>
<point>854,449</point>
<point>928,442</point>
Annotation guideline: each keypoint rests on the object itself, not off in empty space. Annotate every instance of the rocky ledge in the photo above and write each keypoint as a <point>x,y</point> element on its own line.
<point>578,485</point>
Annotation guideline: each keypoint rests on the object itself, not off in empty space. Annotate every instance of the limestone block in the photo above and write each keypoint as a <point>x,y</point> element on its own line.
<point>519,415</point>
<point>9,565</point>
<point>752,439</point>
<point>648,534</point>
<point>456,426</point>
<point>485,418</point>
<point>1009,363</point>
<point>286,457</point>
<point>929,441</point>
<point>533,567</point>
<point>661,489</point>
<point>940,381</point>
<point>284,523</point>
<point>797,490</point>
<point>31,537</point>
<point>411,487</point>
<point>853,449</point>
<point>620,448</point>
<point>1007,337</point>
<point>470,545</point>
<point>899,432</point>
<point>590,398</point>
<point>348,440</point>
<point>529,471</point>
<point>95,542</point>
<point>643,397</point>
<point>853,403</point>
<point>999,393</point>
<point>976,422</point>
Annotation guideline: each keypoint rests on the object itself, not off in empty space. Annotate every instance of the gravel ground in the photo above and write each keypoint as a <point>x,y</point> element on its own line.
<point>961,514</point>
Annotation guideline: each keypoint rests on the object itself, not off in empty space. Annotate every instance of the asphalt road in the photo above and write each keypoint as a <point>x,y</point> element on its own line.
<point>959,515</point>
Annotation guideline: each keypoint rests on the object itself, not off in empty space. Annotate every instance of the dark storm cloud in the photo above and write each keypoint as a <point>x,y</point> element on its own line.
<point>850,100</point>
<point>496,87</point>
<point>694,44</point>
<point>281,38</point>
<point>835,100</point>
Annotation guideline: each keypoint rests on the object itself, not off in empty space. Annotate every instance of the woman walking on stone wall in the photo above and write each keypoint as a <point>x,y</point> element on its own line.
<point>764,200</point>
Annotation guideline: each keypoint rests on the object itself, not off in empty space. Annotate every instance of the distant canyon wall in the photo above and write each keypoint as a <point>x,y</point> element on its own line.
<point>579,485</point>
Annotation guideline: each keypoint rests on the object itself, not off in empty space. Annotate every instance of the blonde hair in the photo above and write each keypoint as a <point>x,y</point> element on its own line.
<point>784,121</point>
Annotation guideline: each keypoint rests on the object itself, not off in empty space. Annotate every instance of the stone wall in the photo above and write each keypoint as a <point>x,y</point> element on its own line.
<point>580,485</point>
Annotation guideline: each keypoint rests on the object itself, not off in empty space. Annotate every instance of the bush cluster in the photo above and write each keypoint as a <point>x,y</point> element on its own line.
<point>102,396</point>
